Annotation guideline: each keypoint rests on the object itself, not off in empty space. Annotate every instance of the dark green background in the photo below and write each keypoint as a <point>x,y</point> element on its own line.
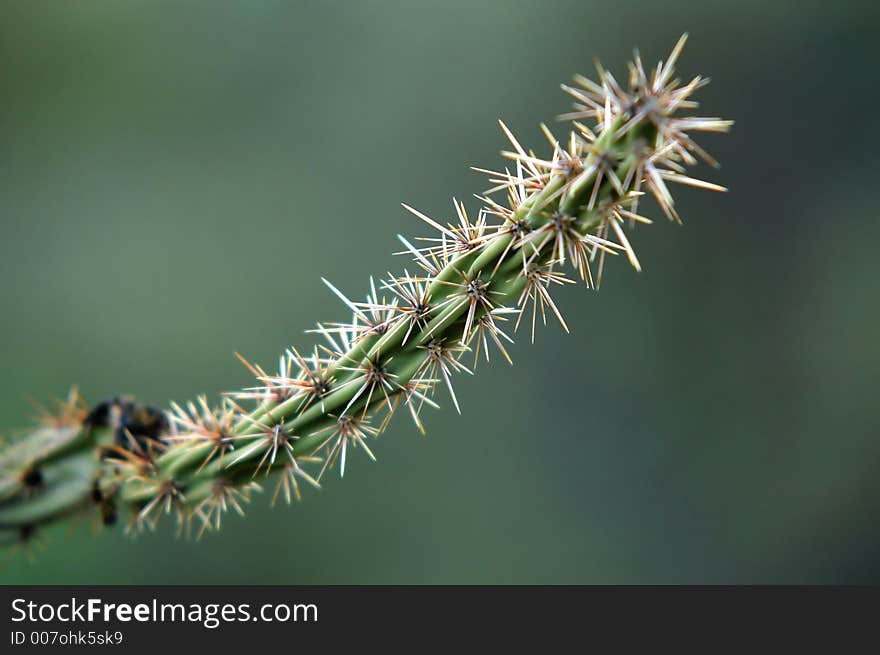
<point>176,177</point>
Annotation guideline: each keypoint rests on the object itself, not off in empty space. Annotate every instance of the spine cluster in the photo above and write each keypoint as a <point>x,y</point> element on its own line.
<point>473,281</point>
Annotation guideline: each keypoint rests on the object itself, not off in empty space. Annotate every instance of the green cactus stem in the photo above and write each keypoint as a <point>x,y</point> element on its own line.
<point>476,280</point>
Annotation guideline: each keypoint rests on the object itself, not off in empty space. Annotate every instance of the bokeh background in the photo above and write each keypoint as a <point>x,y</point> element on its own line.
<point>176,177</point>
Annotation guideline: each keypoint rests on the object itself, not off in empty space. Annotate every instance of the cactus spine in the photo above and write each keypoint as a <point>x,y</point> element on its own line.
<point>407,338</point>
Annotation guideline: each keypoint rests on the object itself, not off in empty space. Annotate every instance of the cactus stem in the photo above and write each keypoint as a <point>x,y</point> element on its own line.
<point>475,274</point>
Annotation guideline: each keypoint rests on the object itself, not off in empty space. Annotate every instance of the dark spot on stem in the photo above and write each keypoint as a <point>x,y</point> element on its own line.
<point>32,478</point>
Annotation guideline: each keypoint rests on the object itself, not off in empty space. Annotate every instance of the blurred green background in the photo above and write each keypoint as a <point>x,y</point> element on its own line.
<point>175,178</point>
